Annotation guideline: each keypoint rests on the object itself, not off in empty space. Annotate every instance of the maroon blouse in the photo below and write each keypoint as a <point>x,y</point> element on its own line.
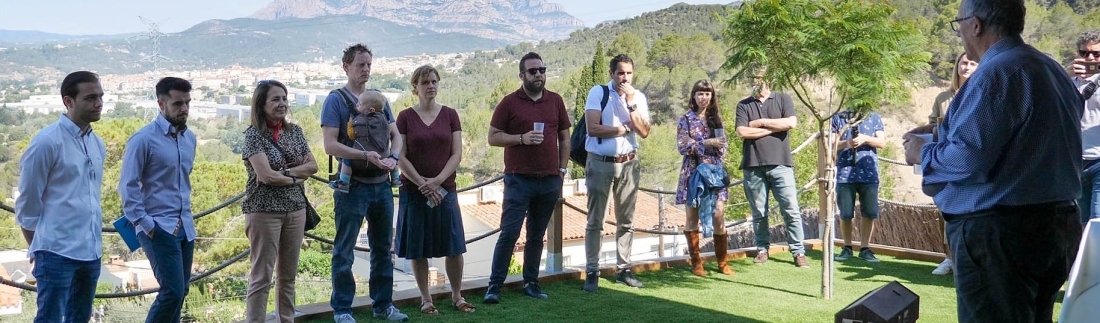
<point>428,147</point>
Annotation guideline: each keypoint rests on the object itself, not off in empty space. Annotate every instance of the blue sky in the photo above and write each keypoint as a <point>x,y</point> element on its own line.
<point>84,17</point>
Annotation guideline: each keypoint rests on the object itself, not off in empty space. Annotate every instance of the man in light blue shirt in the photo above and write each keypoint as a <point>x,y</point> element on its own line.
<point>155,188</point>
<point>1004,170</point>
<point>58,208</point>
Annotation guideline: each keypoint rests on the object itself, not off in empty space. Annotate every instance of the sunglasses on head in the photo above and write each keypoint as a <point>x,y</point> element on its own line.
<point>265,82</point>
<point>539,70</point>
<point>1086,53</point>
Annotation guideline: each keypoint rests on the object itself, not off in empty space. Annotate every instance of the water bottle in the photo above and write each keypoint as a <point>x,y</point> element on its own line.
<point>395,178</point>
<point>442,192</point>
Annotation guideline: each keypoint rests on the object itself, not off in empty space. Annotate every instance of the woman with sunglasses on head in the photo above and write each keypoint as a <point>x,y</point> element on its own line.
<point>429,221</point>
<point>963,68</point>
<point>278,160</point>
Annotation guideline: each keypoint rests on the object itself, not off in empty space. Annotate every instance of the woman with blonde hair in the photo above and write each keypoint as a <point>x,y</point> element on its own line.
<point>701,139</point>
<point>429,221</point>
<point>278,160</point>
<point>963,68</point>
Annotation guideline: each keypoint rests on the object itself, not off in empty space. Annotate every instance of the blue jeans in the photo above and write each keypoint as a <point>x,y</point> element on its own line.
<point>170,256</point>
<point>527,197</point>
<point>66,287</point>
<point>1010,263</point>
<point>1090,191</point>
<point>779,180</point>
<point>846,200</point>
<point>374,202</point>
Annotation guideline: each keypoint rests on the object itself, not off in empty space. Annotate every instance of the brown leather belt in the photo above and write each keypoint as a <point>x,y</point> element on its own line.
<point>615,159</point>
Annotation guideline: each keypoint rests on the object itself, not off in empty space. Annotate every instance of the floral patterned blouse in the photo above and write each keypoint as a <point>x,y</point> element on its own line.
<point>691,130</point>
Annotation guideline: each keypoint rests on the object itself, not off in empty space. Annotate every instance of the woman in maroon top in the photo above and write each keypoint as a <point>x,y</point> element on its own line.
<point>429,221</point>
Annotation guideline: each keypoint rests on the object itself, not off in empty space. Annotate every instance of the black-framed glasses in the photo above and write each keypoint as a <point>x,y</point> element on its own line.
<point>1086,53</point>
<point>955,23</point>
<point>536,70</point>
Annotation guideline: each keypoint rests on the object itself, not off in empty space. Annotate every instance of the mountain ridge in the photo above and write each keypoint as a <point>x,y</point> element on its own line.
<point>510,20</point>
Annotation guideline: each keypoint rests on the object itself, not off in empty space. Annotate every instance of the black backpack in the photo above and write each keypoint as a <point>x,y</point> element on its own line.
<point>577,153</point>
<point>367,132</point>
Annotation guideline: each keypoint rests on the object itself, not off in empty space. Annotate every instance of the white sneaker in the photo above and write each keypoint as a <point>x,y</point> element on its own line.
<point>344,318</point>
<point>944,268</point>
<point>392,314</point>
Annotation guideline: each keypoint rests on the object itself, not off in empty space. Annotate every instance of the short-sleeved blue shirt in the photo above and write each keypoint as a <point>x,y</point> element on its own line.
<point>335,112</point>
<point>861,164</point>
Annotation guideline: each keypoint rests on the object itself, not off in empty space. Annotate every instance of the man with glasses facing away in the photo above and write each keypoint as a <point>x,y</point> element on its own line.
<point>1004,169</point>
<point>612,166</point>
<point>1085,77</point>
<point>534,168</point>
<point>155,188</point>
<point>58,208</point>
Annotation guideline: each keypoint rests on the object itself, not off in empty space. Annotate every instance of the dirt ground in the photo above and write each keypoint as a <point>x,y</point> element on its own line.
<point>907,188</point>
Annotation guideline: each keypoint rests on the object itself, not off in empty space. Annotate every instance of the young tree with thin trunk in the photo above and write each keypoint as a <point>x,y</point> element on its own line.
<point>833,55</point>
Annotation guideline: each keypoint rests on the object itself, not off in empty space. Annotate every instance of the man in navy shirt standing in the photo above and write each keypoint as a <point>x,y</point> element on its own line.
<point>1003,167</point>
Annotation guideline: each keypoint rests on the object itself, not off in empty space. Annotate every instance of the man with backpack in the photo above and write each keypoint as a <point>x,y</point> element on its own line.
<point>368,192</point>
<point>612,165</point>
<point>533,127</point>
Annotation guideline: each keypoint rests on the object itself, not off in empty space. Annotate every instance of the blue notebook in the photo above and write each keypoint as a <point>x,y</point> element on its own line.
<point>128,233</point>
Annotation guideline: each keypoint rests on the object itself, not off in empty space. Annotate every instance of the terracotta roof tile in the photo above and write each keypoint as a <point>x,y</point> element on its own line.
<point>9,296</point>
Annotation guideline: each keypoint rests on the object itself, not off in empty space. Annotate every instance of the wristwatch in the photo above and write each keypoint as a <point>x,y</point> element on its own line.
<point>395,156</point>
<point>286,172</point>
<point>632,107</point>
<point>562,170</point>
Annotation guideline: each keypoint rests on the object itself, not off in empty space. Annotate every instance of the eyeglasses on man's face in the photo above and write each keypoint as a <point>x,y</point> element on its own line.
<point>955,23</point>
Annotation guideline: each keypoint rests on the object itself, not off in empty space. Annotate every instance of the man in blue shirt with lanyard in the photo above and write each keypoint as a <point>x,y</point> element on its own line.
<point>155,187</point>
<point>60,176</point>
<point>1004,170</point>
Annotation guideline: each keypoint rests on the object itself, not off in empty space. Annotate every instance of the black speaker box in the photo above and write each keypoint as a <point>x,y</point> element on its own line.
<point>892,303</point>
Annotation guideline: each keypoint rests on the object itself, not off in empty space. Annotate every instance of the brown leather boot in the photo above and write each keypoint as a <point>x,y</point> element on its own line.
<point>693,251</point>
<point>720,248</point>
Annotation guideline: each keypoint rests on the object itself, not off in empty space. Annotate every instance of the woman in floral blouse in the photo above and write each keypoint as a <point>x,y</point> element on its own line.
<point>277,157</point>
<point>701,138</point>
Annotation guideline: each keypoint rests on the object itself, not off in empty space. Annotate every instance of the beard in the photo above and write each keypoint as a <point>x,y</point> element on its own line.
<point>533,86</point>
<point>178,122</point>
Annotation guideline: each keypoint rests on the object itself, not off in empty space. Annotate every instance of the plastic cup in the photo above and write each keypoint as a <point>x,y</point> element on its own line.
<point>539,126</point>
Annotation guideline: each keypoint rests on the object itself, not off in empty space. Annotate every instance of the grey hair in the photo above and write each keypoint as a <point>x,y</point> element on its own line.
<point>1004,17</point>
<point>1088,37</point>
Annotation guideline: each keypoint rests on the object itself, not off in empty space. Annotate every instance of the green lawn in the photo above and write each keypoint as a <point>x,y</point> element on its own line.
<point>774,292</point>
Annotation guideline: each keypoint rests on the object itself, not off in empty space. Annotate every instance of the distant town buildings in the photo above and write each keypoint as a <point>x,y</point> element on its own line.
<point>218,91</point>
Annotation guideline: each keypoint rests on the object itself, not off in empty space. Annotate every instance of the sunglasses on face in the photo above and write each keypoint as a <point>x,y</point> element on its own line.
<point>1086,53</point>
<point>534,71</point>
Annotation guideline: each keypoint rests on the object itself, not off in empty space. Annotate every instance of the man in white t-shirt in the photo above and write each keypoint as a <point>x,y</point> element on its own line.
<point>612,165</point>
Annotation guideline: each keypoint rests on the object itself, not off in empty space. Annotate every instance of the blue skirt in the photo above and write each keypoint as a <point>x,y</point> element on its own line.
<point>427,232</point>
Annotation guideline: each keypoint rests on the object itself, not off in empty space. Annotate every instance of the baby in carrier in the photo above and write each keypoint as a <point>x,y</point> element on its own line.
<point>368,130</point>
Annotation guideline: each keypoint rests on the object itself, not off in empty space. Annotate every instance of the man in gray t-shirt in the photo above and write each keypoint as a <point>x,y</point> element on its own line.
<point>763,121</point>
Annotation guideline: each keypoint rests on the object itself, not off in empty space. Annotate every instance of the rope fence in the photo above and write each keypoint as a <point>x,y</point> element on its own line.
<point>244,253</point>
